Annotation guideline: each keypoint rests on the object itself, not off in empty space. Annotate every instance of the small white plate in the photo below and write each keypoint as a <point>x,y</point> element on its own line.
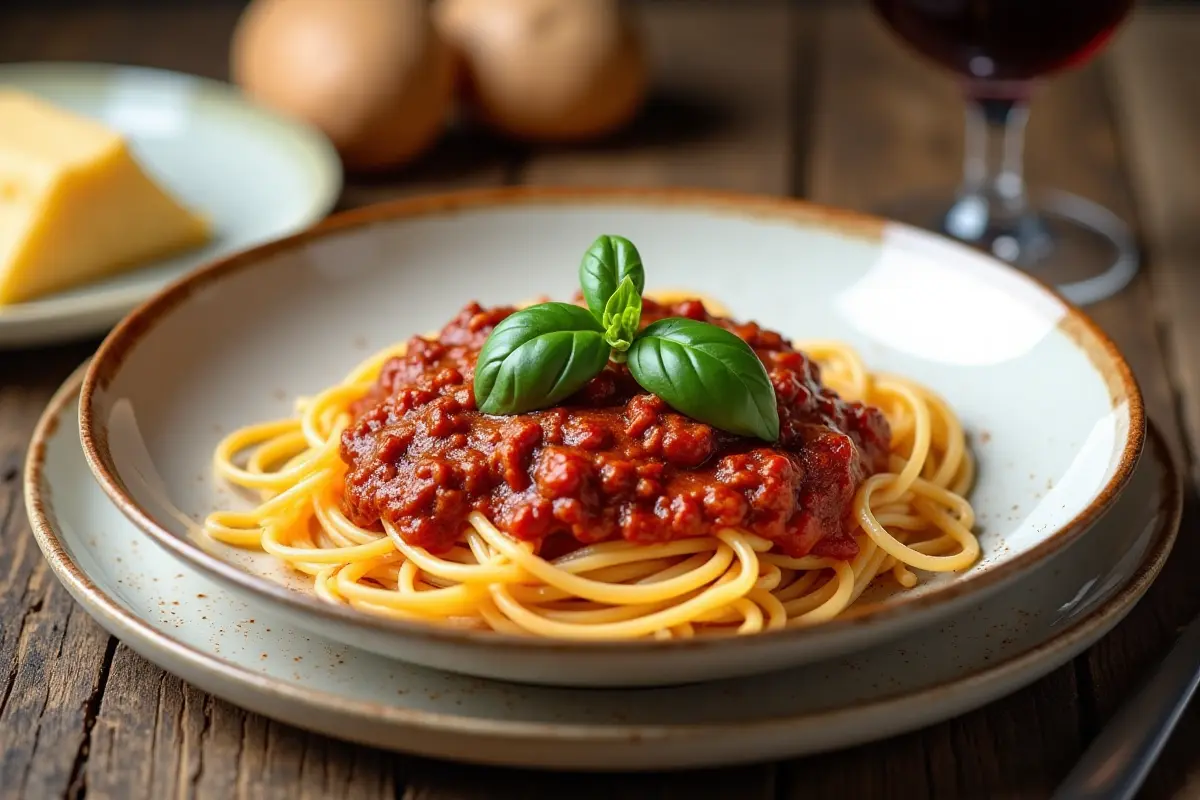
<point>212,637</point>
<point>255,175</point>
<point>1051,408</point>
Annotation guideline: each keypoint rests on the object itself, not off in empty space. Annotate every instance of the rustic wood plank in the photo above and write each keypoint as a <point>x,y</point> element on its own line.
<point>326,768</point>
<point>52,656</point>
<point>136,741</point>
<point>158,737</point>
<point>887,122</point>
<point>431,781</point>
<point>60,660</point>
<point>54,659</point>
<point>890,124</point>
<point>1158,96</point>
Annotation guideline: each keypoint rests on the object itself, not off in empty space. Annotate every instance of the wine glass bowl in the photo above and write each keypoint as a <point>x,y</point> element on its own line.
<point>1007,41</point>
<point>999,51</point>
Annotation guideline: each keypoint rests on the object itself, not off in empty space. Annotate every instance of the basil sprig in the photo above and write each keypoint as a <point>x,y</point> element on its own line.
<point>538,357</point>
<point>606,264</point>
<point>708,373</point>
<point>543,354</point>
<point>622,316</point>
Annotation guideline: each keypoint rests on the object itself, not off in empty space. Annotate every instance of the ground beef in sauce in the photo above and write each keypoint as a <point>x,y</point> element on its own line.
<point>612,462</point>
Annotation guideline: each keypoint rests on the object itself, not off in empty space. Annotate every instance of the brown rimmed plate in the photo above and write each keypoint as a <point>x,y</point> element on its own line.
<point>1053,412</point>
<point>198,628</point>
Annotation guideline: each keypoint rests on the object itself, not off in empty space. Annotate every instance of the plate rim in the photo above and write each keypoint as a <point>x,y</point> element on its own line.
<point>121,300</point>
<point>1084,630</point>
<point>106,363</point>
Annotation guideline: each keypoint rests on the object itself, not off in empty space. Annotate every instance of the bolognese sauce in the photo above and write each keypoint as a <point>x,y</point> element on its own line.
<point>612,462</point>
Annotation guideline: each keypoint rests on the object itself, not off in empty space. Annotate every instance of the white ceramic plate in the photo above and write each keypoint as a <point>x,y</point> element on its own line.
<point>1051,408</point>
<point>255,175</point>
<point>212,637</point>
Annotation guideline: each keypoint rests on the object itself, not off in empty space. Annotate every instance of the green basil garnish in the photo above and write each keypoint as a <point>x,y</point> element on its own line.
<point>622,316</point>
<point>609,261</point>
<point>537,357</point>
<point>544,354</point>
<point>707,373</point>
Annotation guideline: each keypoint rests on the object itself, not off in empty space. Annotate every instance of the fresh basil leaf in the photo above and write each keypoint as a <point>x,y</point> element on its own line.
<point>609,261</point>
<point>537,357</point>
<point>622,316</point>
<point>707,373</point>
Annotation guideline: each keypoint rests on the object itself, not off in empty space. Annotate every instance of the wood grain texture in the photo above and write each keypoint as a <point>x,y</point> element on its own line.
<point>157,737</point>
<point>429,781</point>
<point>53,658</point>
<point>779,99</point>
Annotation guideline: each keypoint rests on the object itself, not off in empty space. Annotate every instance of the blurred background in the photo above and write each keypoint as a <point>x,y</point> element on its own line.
<point>753,95</point>
<point>421,96</point>
<point>820,99</point>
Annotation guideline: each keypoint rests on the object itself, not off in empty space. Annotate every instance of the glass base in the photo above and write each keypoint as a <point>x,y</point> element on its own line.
<point>1081,248</point>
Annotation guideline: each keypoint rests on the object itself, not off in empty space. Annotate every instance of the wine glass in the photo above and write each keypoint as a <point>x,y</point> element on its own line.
<point>999,49</point>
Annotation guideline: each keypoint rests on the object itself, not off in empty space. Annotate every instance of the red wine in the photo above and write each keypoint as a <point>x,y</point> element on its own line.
<point>1005,40</point>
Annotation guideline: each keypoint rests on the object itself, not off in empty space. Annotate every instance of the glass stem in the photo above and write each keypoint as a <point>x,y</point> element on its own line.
<point>992,208</point>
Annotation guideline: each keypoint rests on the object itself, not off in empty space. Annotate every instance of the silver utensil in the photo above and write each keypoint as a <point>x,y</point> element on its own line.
<point>1119,759</point>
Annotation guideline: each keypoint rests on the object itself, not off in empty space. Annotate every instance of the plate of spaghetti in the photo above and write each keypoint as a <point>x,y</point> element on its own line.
<point>611,438</point>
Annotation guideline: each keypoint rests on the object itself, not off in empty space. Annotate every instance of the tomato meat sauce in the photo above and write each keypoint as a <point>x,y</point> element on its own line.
<point>612,462</point>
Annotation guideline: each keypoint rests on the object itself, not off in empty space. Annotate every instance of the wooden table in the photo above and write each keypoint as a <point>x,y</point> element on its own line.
<point>813,100</point>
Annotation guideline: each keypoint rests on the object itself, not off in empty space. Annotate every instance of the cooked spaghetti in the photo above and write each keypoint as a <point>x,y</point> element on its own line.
<point>609,516</point>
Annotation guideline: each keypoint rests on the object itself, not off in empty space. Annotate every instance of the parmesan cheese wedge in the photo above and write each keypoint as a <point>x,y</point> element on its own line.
<point>75,205</point>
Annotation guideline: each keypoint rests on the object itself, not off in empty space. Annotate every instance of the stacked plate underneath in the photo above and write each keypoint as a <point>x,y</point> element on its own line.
<point>1076,498</point>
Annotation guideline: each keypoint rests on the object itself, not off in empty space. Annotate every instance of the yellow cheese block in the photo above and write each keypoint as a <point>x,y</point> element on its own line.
<point>74,203</point>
